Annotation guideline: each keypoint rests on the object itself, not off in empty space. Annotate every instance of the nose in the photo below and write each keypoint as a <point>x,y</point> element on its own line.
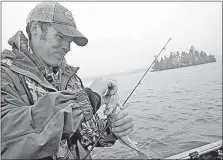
<point>66,46</point>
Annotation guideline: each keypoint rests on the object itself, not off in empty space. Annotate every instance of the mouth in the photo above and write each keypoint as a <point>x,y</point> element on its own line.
<point>59,55</point>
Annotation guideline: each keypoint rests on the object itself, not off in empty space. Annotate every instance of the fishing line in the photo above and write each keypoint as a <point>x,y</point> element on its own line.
<point>126,100</point>
<point>149,142</point>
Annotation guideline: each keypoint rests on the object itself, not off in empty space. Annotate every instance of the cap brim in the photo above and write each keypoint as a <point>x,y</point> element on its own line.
<point>71,31</point>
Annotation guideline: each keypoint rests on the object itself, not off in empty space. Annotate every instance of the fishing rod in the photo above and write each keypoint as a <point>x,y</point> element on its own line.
<point>145,73</point>
<point>126,100</point>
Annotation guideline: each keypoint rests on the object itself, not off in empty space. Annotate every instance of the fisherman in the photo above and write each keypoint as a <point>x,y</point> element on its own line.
<point>46,112</point>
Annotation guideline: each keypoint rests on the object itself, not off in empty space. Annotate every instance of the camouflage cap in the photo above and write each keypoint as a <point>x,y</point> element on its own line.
<point>61,19</point>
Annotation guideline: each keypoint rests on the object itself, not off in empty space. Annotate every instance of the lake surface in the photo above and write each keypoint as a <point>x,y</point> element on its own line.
<point>173,110</point>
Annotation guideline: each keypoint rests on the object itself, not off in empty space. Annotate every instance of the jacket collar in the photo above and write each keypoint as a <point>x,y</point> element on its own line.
<point>25,62</point>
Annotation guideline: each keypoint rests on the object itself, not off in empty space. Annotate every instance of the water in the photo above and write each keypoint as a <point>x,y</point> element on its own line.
<point>173,110</point>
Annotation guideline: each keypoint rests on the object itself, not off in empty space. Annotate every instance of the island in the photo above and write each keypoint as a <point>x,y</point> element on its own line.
<point>183,59</point>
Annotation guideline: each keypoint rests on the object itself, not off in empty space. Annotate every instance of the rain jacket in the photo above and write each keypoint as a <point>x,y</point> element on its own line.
<point>45,115</point>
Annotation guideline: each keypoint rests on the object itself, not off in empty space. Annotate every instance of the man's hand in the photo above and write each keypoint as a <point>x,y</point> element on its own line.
<point>105,88</point>
<point>122,124</point>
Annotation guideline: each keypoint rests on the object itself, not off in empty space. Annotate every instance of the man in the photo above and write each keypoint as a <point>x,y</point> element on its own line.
<point>45,110</point>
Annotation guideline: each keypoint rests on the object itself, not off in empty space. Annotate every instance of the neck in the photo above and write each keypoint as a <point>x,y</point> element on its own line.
<point>37,59</point>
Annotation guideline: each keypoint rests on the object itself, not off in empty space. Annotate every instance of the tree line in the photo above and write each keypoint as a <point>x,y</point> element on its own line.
<point>183,59</point>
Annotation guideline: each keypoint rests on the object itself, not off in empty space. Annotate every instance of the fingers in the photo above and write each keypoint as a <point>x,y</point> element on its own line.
<point>124,133</point>
<point>123,127</point>
<point>121,115</point>
<point>104,86</point>
<point>123,121</point>
<point>122,124</point>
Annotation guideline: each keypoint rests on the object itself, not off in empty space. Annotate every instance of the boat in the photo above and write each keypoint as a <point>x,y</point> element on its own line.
<point>211,151</point>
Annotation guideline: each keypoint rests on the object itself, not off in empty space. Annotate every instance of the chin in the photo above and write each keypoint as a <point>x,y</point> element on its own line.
<point>56,63</point>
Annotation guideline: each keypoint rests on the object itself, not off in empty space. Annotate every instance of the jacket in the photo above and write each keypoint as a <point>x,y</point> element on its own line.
<point>43,115</point>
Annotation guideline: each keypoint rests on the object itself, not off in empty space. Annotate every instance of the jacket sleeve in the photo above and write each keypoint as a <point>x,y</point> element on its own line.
<point>109,138</point>
<point>94,98</point>
<point>34,131</point>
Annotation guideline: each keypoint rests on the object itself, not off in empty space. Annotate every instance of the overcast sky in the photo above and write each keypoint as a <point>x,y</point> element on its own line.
<point>126,35</point>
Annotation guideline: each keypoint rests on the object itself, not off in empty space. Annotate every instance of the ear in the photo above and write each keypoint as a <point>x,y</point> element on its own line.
<point>35,29</point>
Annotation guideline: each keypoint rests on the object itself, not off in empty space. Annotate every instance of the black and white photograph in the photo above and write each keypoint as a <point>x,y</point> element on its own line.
<point>111,80</point>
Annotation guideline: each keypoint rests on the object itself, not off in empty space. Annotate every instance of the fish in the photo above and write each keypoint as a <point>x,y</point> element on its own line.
<point>112,108</point>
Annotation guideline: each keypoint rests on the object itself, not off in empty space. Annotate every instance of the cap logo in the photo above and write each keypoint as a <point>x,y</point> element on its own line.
<point>69,15</point>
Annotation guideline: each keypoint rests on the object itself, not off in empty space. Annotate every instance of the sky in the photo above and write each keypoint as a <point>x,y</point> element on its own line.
<point>123,36</point>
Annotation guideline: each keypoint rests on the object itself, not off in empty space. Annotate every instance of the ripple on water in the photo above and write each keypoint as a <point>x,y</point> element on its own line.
<point>158,128</point>
<point>216,89</point>
<point>201,121</point>
<point>215,137</point>
<point>177,92</point>
<point>218,105</point>
<point>181,119</point>
<point>210,107</point>
<point>151,96</point>
<point>155,118</point>
<point>134,102</point>
<point>187,90</point>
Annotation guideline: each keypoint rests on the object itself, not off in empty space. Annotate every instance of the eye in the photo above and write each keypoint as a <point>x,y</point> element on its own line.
<point>59,36</point>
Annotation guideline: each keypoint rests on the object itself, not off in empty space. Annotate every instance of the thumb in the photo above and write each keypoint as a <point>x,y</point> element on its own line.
<point>112,87</point>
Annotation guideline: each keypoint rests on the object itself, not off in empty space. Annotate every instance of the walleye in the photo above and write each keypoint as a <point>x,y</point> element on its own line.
<point>113,108</point>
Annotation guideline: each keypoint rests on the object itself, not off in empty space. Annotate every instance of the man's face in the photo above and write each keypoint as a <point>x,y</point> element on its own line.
<point>52,47</point>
